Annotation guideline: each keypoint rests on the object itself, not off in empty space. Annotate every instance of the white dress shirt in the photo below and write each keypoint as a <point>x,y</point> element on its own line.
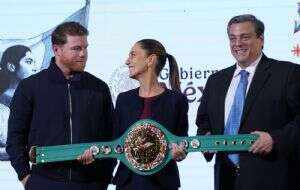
<point>234,83</point>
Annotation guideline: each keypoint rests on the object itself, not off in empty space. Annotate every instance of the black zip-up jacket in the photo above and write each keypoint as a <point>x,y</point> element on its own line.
<point>47,109</point>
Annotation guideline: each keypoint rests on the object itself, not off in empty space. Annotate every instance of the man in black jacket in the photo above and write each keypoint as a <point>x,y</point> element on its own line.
<point>257,94</point>
<point>61,105</point>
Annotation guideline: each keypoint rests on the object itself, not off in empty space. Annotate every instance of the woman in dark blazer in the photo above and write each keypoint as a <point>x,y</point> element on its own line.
<point>152,101</point>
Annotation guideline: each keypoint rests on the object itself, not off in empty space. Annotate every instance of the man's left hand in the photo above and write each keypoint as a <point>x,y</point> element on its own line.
<point>86,158</point>
<point>263,145</point>
<point>178,152</point>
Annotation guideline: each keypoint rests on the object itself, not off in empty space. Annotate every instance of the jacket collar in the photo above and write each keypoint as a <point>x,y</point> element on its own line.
<point>136,93</point>
<point>261,76</point>
<point>56,74</point>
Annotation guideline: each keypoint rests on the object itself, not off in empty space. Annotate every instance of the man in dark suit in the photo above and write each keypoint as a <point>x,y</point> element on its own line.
<point>256,95</point>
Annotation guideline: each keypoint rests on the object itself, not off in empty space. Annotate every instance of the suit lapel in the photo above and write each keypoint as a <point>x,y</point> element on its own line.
<point>260,78</point>
<point>222,91</point>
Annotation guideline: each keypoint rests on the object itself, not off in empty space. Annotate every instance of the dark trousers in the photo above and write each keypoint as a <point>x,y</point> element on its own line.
<point>230,179</point>
<point>143,183</point>
<point>36,182</point>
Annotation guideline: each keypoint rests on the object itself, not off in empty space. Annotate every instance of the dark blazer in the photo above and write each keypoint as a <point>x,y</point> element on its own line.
<point>170,110</point>
<point>272,105</point>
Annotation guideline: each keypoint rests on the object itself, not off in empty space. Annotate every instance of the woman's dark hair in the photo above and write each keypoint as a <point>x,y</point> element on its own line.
<point>152,46</point>
<point>10,64</point>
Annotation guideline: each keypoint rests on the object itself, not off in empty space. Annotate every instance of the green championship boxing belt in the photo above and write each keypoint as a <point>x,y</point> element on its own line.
<point>144,147</point>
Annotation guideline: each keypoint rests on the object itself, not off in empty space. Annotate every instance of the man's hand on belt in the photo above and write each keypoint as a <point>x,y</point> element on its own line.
<point>263,145</point>
<point>86,158</point>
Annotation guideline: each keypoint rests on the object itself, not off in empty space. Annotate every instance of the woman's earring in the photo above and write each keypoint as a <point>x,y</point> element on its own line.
<point>11,67</point>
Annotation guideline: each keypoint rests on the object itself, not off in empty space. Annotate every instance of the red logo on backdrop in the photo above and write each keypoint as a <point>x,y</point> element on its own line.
<point>296,50</point>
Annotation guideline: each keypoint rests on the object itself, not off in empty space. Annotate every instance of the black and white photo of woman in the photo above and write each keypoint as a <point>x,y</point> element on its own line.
<point>17,63</point>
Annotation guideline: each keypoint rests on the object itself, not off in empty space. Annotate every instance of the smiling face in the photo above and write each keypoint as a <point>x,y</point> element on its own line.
<point>245,45</point>
<point>72,56</point>
<point>27,66</point>
<point>137,61</point>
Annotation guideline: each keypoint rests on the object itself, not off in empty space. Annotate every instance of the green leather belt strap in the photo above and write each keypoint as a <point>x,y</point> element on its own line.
<point>144,147</point>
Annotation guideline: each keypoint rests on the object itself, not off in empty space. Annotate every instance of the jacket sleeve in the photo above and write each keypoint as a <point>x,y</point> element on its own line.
<point>18,129</point>
<point>287,138</point>
<point>108,114</point>
<point>107,165</point>
<point>183,124</point>
<point>117,115</point>
<point>202,120</point>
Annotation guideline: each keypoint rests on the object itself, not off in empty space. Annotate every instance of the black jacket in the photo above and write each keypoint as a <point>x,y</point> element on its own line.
<point>47,109</point>
<point>170,110</point>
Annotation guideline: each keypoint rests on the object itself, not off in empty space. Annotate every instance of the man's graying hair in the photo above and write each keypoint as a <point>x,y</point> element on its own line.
<point>258,25</point>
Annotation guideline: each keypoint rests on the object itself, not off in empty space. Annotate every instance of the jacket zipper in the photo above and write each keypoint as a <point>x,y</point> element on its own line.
<point>71,124</point>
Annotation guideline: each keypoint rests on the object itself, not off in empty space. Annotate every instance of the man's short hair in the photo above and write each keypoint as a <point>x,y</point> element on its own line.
<point>258,25</point>
<point>59,35</point>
